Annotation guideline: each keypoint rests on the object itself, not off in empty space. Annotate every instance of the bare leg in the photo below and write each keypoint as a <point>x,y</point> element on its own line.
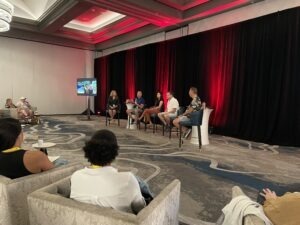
<point>129,112</point>
<point>114,112</point>
<point>110,113</point>
<point>167,118</point>
<point>143,114</point>
<point>161,116</point>
<point>147,118</point>
<point>176,122</point>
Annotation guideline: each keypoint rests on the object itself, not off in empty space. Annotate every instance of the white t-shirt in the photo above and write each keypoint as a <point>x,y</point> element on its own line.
<point>106,187</point>
<point>172,104</point>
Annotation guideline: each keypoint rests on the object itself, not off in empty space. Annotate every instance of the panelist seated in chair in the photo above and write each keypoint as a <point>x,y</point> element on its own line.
<point>157,108</point>
<point>14,161</point>
<point>9,104</point>
<point>171,110</point>
<point>194,106</point>
<point>113,104</point>
<point>100,183</point>
<point>139,104</point>
<point>24,108</point>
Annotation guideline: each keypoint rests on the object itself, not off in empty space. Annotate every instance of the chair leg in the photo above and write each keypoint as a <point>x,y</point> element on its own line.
<point>118,118</point>
<point>106,118</point>
<point>199,137</point>
<point>170,132</point>
<point>163,129</point>
<point>180,132</point>
<point>154,125</point>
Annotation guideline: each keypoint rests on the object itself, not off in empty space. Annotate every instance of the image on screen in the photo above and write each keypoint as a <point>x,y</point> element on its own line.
<point>87,86</point>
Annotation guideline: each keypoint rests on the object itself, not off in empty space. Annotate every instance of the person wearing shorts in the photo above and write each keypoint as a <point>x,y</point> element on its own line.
<point>171,110</point>
<point>194,106</point>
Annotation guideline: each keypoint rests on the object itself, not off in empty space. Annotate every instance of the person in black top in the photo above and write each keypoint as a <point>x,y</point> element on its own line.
<point>113,104</point>
<point>14,161</point>
<point>157,108</point>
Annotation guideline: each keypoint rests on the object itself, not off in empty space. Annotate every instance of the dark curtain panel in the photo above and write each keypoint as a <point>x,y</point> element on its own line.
<point>165,67</point>
<point>130,74</point>
<point>248,73</point>
<point>102,75</point>
<point>265,98</point>
<point>188,70</point>
<point>117,75</point>
<point>145,72</point>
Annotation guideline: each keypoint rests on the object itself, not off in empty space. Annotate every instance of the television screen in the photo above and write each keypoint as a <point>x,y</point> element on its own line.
<point>87,86</point>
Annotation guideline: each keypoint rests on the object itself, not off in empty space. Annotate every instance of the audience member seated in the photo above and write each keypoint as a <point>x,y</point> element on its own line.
<point>14,161</point>
<point>9,104</point>
<point>283,210</point>
<point>113,104</point>
<point>157,108</point>
<point>194,106</point>
<point>24,107</point>
<point>171,110</point>
<point>101,184</point>
<point>139,103</point>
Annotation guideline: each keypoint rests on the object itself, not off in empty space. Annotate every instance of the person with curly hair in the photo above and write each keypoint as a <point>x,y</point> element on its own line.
<point>100,183</point>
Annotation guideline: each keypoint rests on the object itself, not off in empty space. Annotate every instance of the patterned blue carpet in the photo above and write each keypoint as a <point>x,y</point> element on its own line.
<point>207,176</point>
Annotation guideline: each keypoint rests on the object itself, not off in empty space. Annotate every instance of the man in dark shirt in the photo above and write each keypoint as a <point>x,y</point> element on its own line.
<point>194,106</point>
<point>139,103</point>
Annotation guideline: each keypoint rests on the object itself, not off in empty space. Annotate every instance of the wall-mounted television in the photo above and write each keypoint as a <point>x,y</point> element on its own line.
<point>87,86</point>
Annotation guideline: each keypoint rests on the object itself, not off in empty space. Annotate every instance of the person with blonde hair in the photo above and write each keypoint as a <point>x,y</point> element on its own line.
<point>113,104</point>
<point>9,104</point>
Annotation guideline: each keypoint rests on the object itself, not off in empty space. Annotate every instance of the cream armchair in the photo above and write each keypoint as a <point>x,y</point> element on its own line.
<point>52,206</point>
<point>13,192</point>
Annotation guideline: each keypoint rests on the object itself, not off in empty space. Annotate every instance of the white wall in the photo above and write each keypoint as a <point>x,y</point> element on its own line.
<point>45,74</point>
<point>240,14</point>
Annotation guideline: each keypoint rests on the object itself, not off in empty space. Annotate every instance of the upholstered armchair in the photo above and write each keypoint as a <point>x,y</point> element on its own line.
<point>13,192</point>
<point>51,205</point>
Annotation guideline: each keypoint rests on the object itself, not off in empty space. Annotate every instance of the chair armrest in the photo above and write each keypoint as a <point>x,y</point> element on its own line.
<point>164,208</point>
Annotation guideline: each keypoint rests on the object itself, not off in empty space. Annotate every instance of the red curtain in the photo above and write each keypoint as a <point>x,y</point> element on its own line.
<point>219,51</point>
<point>102,74</point>
<point>130,75</point>
<point>165,67</point>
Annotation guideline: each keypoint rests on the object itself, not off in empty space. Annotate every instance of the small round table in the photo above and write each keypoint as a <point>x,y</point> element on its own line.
<point>44,146</point>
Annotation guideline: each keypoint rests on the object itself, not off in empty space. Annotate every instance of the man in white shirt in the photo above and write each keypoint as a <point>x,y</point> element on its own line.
<point>171,110</point>
<point>101,184</point>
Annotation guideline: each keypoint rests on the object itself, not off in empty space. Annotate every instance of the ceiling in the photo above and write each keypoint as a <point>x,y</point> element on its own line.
<point>100,24</point>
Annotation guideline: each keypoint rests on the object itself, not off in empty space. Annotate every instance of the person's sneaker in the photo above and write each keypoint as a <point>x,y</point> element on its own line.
<point>187,133</point>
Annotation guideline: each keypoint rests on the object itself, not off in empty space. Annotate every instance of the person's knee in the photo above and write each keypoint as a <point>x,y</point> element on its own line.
<point>176,122</point>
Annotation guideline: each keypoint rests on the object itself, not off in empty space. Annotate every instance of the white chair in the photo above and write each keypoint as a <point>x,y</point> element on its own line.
<point>204,129</point>
<point>129,120</point>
